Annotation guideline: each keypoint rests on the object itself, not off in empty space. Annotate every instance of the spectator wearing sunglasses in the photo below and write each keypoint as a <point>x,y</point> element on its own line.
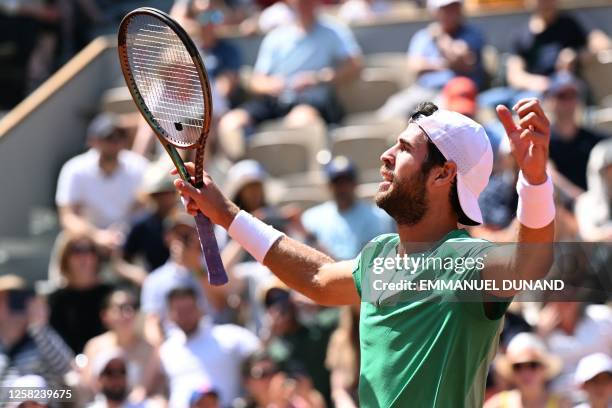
<point>111,370</point>
<point>528,366</point>
<point>119,317</point>
<point>184,268</point>
<point>76,305</point>
<point>96,190</point>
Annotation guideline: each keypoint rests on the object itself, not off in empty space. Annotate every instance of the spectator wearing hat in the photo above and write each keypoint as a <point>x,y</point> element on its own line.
<point>111,370</point>
<point>573,330</point>
<point>119,316</point>
<point>76,305</point>
<point>528,365</point>
<point>202,352</point>
<point>28,345</point>
<point>30,381</point>
<point>343,225</point>
<point>594,377</point>
<point>594,208</point>
<point>297,66</point>
<point>96,190</point>
<point>570,143</point>
<point>145,239</point>
<point>204,397</point>
<point>184,268</point>
<point>447,48</point>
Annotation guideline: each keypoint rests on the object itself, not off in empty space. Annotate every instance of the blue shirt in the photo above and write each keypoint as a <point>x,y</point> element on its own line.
<point>344,234</point>
<point>424,45</point>
<point>288,50</point>
<point>223,57</point>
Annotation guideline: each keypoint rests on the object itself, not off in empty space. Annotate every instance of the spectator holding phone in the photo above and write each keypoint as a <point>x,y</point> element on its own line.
<point>28,345</point>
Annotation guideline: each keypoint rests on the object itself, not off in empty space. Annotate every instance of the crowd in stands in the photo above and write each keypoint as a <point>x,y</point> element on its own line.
<point>132,320</point>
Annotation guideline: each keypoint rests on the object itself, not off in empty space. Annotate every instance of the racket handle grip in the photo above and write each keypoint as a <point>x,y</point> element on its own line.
<point>216,273</point>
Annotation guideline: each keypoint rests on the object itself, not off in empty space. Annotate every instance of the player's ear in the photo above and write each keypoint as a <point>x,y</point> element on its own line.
<point>445,174</point>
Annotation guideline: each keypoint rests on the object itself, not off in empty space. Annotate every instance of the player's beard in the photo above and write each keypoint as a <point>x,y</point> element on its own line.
<point>405,201</point>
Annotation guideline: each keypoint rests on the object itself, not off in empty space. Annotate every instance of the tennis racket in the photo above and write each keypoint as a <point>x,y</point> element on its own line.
<point>165,75</point>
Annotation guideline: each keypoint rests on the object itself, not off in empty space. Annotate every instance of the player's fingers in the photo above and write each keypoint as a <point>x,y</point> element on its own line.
<point>535,137</point>
<point>532,105</point>
<point>523,102</point>
<point>505,117</point>
<point>536,122</point>
<point>186,189</point>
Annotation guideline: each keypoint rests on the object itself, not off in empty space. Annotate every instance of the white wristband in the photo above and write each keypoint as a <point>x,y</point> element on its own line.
<point>536,205</point>
<point>255,236</point>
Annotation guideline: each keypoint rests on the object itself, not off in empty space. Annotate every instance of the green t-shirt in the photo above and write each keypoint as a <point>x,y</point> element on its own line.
<point>424,348</point>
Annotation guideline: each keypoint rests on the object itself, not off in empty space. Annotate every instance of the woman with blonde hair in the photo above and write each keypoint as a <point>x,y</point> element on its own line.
<point>528,366</point>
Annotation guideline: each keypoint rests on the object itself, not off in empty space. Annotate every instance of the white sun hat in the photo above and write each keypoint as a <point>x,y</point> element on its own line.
<point>465,142</point>
<point>591,366</point>
<point>436,4</point>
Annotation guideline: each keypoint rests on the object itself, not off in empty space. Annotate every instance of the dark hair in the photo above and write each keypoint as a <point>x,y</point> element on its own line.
<point>106,303</point>
<point>181,291</point>
<point>436,158</point>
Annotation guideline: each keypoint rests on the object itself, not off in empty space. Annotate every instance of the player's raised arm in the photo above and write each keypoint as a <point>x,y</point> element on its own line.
<point>301,267</point>
<point>529,139</point>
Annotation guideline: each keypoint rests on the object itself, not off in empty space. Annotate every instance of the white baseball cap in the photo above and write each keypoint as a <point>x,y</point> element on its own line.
<point>591,366</point>
<point>436,4</point>
<point>465,142</point>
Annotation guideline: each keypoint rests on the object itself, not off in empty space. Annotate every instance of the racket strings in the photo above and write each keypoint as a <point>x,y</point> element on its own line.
<point>167,79</point>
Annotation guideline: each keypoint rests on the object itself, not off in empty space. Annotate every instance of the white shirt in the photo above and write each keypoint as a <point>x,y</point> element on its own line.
<point>213,355</point>
<point>105,199</point>
<point>593,334</point>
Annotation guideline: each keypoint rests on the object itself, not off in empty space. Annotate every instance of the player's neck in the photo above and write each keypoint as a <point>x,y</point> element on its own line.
<point>432,228</point>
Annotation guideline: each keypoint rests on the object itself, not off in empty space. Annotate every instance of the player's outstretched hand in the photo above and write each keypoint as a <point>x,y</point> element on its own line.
<point>208,199</point>
<point>529,139</point>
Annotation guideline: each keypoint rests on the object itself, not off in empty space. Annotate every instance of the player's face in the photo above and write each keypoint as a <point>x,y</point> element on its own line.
<point>402,193</point>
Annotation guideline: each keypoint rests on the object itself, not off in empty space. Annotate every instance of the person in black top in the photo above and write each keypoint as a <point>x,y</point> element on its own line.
<point>552,41</point>
<point>146,236</point>
<point>75,307</point>
<point>570,144</point>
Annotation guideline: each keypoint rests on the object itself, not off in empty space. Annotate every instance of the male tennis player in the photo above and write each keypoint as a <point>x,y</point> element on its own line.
<point>421,353</point>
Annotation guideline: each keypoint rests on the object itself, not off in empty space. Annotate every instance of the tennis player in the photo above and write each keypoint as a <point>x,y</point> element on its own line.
<point>421,353</point>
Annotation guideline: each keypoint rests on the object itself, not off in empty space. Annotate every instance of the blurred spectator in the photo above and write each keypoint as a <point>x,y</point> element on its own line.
<point>202,352</point>
<point>231,12</point>
<point>110,368</point>
<point>298,346</point>
<point>550,42</point>
<point>28,345</point>
<point>146,236</point>
<point>343,226</point>
<point>447,48</point>
<point>594,377</point>
<point>30,381</point>
<point>221,58</point>
<point>570,143</point>
<point>96,190</point>
<point>119,317</point>
<point>267,385</point>
<point>356,11</point>
<point>343,358</point>
<point>572,331</point>
<point>204,397</point>
<point>184,268</point>
<point>274,16</point>
<point>28,30</point>
<point>76,305</point>
<point>594,208</point>
<point>294,74</point>
<point>529,366</point>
